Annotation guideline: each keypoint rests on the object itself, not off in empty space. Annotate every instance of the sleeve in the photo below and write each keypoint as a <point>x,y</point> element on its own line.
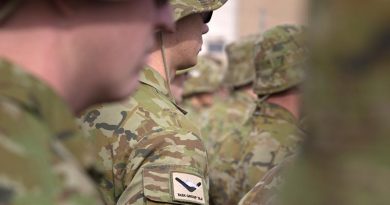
<point>225,173</point>
<point>167,167</point>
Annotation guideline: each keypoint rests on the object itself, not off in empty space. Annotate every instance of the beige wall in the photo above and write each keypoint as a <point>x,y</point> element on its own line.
<point>258,15</point>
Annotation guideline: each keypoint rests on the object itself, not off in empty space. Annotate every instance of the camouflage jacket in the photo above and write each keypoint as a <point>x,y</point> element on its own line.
<point>150,151</point>
<point>245,154</point>
<point>44,158</point>
<point>267,190</point>
<point>194,114</point>
<point>224,116</point>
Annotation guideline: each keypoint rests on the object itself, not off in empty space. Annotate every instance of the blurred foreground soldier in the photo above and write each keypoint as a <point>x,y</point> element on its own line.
<point>150,151</point>
<point>200,93</point>
<point>271,133</point>
<point>345,161</point>
<point>53,63</point>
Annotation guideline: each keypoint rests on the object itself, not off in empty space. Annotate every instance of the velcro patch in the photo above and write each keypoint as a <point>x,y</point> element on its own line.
<point>187,188</point>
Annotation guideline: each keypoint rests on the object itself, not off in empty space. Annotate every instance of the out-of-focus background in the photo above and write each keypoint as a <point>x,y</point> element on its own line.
<point>240,18</point>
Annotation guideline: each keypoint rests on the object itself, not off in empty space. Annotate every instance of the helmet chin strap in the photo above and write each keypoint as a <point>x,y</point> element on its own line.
<point>259,104</point>
<point>166,68</point>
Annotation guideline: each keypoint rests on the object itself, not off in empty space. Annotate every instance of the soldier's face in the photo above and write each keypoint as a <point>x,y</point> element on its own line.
<point>186,42</point>
<point>115,48</point>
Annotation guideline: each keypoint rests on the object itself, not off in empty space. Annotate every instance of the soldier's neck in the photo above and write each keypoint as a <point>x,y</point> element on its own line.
<point>42,54</point>
<point>156,62</point>
<point>290,100</point>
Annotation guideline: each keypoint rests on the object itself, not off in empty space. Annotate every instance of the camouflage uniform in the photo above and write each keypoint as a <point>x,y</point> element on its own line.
<point>144,140</point>
<point>205,77</point>
<point>345,161</point>
<point>227,114</point>
<point>150,151</point>
<point>44,158</point>
<point>271,133</point>
<point>267,190</point>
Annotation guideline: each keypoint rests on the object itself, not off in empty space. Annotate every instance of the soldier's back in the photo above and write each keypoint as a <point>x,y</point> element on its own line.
<point>224,116</point>
<point>247,153</point>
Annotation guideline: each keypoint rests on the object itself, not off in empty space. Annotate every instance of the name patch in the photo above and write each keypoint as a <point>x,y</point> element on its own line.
<point>187,188</point>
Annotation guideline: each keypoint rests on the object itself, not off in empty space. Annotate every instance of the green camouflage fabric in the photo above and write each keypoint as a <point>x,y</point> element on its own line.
<point>205,121</point>
<point>44,157</point>
<point>279,59</point>
<point>224,116</point>
<point>240,55</point>
<point>183,8</point>
<point>143,141</point>
<point>244,155</point>
<point>206,76</point>
<point>346,159</point>
<point>267,190</point>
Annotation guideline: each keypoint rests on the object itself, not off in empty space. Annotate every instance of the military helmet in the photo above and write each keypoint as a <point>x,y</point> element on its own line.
<point>206,76</point>
<point>279,59</point>
<point>183,8</point>
<point>241,68</point>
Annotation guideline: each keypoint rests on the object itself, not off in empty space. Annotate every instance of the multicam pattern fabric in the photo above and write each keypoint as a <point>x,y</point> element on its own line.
<point>183,8</point>
<point>224,116</point>
<point>240,54</point>
<point>44,158</point>
<point>206,76</point>
<point>346,159</point>
<point>206,121</point>
<point>267,190</point>
<point>279,59</point>
<point>142,141</point>
<point>244,155</point>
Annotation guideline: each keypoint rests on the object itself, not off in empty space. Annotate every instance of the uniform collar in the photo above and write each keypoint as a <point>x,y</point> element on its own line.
<point>151,77</point>
<point>275,111</point>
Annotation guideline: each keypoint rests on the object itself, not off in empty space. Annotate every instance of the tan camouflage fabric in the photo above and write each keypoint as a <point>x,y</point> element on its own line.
<point>202,118</point>
<point>206,76</point>
<point>224,116</point>
<point>267,190</point>
<point>241,68</point>
<point>346,161</point>
<point>279,59</point>
<point>183,8</point>
<point>244,155</point>
<point>142,141</point>
<point>44,159</point>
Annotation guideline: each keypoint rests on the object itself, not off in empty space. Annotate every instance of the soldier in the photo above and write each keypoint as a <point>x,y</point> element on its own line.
<point>150,151</point>
<point>54,57</point>
<point>232,112</point>
<point>200,93</point>
<point>271,134</point>
<point>345,160</point>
